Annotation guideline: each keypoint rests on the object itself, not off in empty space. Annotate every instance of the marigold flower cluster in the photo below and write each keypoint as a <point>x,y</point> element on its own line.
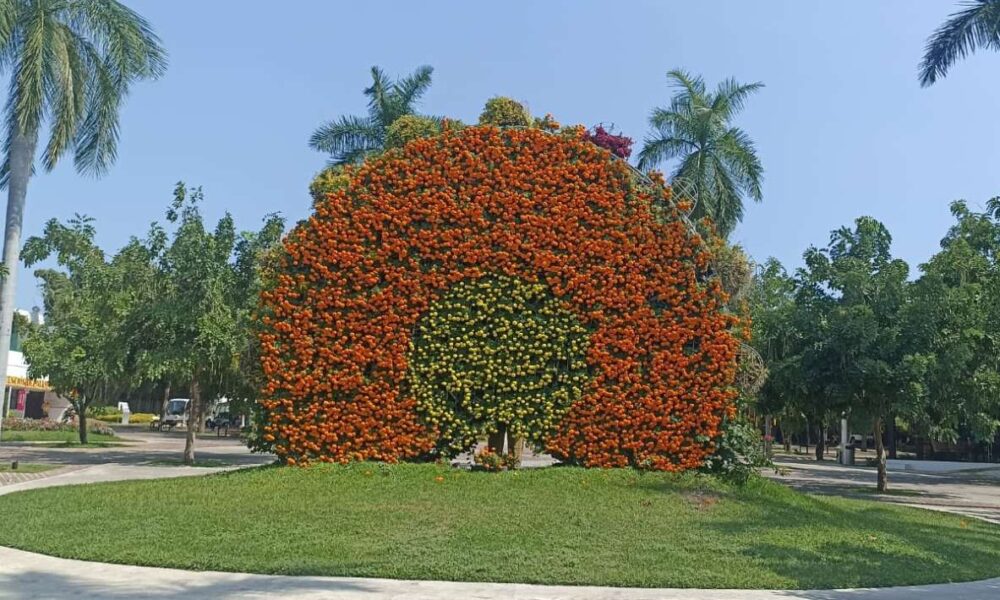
<point>360,279</point>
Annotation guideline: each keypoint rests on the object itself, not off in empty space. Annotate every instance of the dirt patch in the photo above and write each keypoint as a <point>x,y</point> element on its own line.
<point>700,500</point>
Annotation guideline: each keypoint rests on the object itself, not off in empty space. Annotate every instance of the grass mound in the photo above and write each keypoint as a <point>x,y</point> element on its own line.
<point>557,526</point>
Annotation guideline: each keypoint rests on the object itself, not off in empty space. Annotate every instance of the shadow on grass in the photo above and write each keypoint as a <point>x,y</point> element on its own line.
<point>884,546</point>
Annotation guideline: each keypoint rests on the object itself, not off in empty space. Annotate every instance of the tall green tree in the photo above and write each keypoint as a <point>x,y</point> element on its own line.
<point>868,289</point>
<point>718,164</point>
<point>976,26</point>
<point>953,324</point>
<point>70,64</point>
<point>351,138</point>
<point>85,346</point>
<point>203,317</point>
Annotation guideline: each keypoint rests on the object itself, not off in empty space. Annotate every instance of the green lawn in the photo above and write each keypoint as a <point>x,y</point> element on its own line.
<point>27,468</point>
<point>70,437</point>
<point>557,525</point>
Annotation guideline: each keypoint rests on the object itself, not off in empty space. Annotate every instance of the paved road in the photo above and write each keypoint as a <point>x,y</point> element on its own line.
<point>143,447</point>
<point>975,493</point>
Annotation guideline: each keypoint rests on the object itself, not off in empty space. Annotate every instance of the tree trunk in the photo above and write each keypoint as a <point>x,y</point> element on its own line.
<point>820,441</point>
<point>81,421</point>
<point>892,437</point>
<point>21,156</point>
<point>768,436</point>
<point>194,414</point>
<point>166,400</point>
<point>496,440</point>
<point>880,456</point>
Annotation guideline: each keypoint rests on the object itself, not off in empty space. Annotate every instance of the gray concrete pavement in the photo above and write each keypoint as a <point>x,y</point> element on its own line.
<point>24,575</point>
<point>109,472</point>
<point>975,493</point>
<point>140,446</point>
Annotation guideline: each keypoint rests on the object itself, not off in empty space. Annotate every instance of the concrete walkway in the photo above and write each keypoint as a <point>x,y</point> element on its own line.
<point>108,472</point>
<point>959,489</point>
<point>27,575</point>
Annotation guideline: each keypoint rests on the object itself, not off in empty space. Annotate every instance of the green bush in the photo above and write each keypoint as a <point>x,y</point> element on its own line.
<point>739,452</point>
<point>408,128</point>
<point>142,418</point>
<point>108,414</point>
<point>328,181</point>
<point>19,424</point>
<point>505,112</point>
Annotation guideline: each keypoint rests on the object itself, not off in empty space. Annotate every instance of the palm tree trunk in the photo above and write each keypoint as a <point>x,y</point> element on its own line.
<point>194,415</point>
<point>22,155</point>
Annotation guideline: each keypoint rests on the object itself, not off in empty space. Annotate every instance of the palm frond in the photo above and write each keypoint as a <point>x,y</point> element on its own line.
<point>66,86</point>
<point>977,26</point>
<point>656,150</point>
<point>128,42</point>
<point>346,135</point>
<point>27,91</point>
<point>671,123</point>
<point>736,151</point>
<point>693,85</point>
<point>8,24</point>
<point>97,137</point>
<point>726,203</point>
<point>378,92</point>
<point>412,87</point>
<point>349,139</point>
<point>730,96</point>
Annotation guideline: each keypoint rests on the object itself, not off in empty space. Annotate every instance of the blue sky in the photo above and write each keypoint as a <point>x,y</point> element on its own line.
<point>843,128</point>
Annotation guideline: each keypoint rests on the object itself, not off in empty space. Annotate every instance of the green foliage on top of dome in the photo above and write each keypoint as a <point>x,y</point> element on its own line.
<point>505,112</point>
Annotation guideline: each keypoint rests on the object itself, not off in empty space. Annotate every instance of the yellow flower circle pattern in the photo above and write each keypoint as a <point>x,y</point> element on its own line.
<point>492,353</point>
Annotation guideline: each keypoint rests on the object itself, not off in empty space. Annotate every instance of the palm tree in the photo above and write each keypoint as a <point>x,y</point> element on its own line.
<point>70,64</point>
<point>350,138</point>
<point>718,164</point>
<point>976,26</point>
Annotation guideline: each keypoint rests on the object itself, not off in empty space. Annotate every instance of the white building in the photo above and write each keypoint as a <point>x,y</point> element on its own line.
<point>29,398</point>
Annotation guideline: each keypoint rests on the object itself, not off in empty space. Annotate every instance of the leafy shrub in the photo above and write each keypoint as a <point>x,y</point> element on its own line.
<point>142,418</point>
<point>619,145</point>
<point>505,112</point>
<point>739,452</point>
<point>328,181</point>
<point>18,424</point>
<point>108,414</point>
<point>547,123</point>
<point>408,128</point>
<point>488,460</point>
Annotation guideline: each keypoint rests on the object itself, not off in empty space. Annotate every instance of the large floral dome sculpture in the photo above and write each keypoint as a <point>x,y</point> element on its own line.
<point>493,278</point>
